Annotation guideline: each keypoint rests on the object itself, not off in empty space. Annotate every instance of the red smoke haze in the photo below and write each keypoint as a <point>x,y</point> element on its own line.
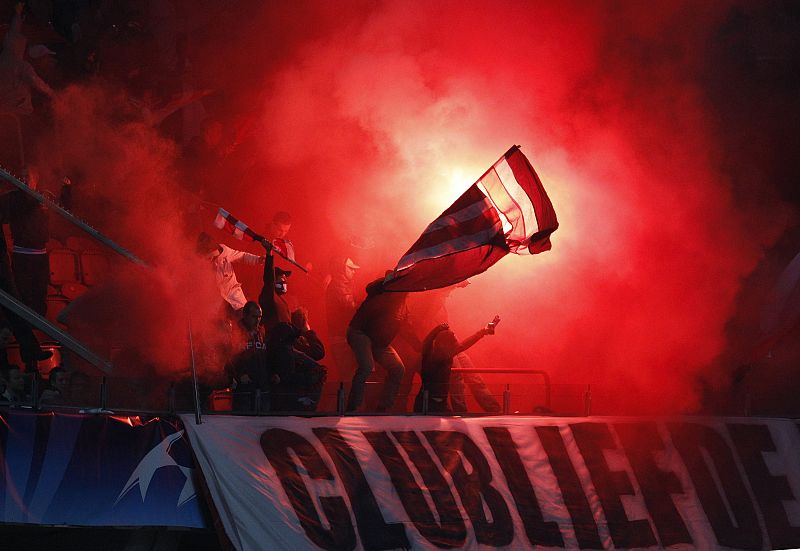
<point>372,117</point>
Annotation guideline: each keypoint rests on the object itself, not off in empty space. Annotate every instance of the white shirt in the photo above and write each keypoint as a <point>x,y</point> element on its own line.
<point>229,286</point>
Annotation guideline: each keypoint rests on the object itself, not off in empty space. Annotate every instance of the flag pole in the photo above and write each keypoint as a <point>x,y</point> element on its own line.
<point>283,256</point>
<point>224,219</point>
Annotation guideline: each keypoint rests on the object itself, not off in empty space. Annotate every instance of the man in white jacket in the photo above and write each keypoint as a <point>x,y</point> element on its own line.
<point>222,259</point>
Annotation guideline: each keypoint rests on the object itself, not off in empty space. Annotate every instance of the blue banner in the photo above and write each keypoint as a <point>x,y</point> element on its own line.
<point>90,470</point>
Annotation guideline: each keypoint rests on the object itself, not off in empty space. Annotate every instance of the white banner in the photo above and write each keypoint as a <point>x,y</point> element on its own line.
<point>502,482</point>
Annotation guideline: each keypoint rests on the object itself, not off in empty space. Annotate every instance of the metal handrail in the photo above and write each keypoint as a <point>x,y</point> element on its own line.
<point>544,375</point>
<point>43,324</point>
<point>52,205</point>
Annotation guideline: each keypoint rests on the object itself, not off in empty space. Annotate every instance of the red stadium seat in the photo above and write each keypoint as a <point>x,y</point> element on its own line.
<point>72,290</point>
<point>94,267</point>
<point>80,243</point>
<point>63,266</point>
<point>53,243</point>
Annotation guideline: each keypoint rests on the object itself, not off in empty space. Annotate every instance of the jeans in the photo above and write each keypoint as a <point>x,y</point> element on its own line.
<point>366,355</point>
<point>476,385</point>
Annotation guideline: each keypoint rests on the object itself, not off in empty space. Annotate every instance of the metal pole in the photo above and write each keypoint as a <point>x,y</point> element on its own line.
<point>197,417</point>
<point>104,394</point>
<point>259,238</point>
<point>340,399</point>
<point>507,400</point>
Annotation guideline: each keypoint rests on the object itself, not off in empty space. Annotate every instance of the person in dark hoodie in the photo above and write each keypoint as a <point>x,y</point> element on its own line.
<point>374,326</point>
<point>296,379</point>
<point>308,342</point>
<point>274,307</point>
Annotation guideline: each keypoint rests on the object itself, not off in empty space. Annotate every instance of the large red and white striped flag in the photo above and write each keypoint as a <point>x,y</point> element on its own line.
<point>506,210</point>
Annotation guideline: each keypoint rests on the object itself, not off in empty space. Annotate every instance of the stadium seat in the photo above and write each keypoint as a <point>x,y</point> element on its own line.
<point>53,243</point>
<point>72,290</point>
<point>80,243</point>
<point>94,267</point>
<point>63,266</point>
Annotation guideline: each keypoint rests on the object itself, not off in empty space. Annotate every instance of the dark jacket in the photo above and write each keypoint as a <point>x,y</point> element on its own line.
<point>274,309</point>
<point>381,315</point>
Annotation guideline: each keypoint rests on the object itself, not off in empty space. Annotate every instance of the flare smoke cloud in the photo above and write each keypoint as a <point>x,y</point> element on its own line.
<point>369,119</point>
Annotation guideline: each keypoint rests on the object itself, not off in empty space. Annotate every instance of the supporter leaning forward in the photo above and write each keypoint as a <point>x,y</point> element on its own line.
<point>222,260</point>
<point>374,326</point>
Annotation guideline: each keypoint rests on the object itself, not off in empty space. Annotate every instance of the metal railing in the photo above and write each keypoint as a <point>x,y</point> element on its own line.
<point>148,396</point>
<point>506,397</point>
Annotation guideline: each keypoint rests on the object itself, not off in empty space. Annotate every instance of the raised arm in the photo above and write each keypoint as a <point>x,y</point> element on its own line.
<point>469,341</point>
<point>266,299</point>
<point>246,258</point>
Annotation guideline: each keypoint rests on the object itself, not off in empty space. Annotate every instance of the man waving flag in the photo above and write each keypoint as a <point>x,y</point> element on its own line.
<point>506,210</point>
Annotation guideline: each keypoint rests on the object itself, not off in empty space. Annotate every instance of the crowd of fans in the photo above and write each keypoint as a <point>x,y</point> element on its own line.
<point>277,361</point>
<point>274,360</point>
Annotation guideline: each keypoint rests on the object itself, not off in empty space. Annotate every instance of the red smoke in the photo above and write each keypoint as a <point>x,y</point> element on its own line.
<point>370,119</point>
<point>379,113</point>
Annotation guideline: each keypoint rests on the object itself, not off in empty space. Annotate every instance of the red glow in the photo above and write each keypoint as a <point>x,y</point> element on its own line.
<point>371,119</point>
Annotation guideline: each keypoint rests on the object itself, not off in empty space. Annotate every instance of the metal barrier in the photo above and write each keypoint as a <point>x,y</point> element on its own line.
<point>163,395</point>
<point>43,324</point>
<point>506,394</point>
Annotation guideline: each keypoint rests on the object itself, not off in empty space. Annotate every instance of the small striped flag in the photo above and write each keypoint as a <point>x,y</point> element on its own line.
<point>226,221</point>
<point>240,230</point>
<point>506,210</point>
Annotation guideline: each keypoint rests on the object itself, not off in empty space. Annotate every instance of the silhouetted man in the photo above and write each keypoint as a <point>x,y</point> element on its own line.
<point>370,334</point>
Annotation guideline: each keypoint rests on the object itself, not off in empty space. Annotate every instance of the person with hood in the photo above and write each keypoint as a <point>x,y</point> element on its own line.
<point>308,342</point>
<point>374,326</point>
<point>296,379</point>
<point>275,308</point>
<point>426,309</point>
<point>438,350</point>
<point>247,367</point>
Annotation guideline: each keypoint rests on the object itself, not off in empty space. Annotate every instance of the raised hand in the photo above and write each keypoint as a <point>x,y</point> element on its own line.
<point>491,326</point>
